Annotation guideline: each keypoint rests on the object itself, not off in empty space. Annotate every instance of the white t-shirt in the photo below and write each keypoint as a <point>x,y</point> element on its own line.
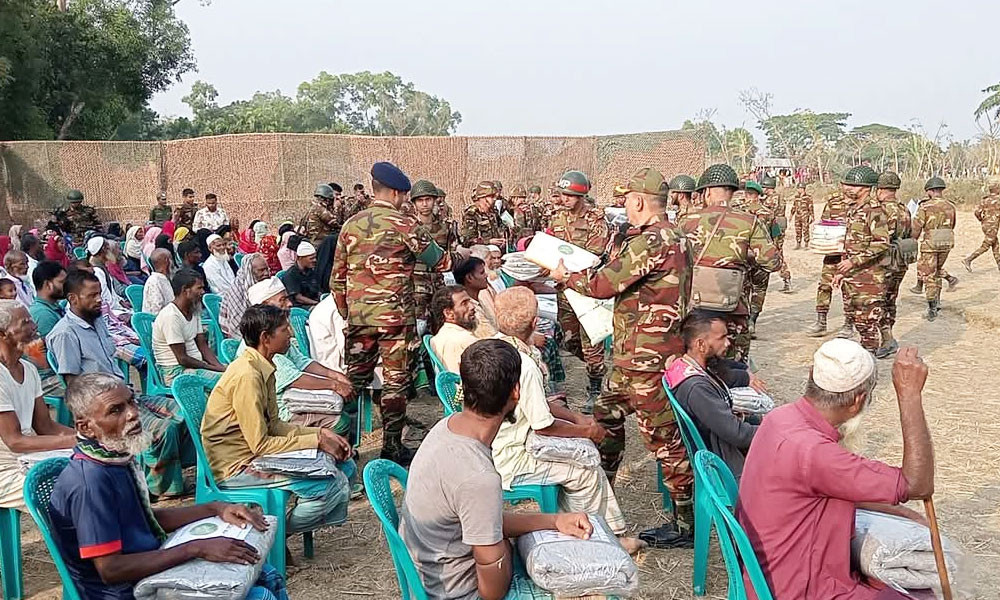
<point>532,414</point>
<point>18,398</point>
<point>171,327</point>
<point>326,335</point>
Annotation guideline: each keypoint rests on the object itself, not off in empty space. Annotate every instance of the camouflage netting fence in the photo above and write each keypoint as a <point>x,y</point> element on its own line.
<point>271,176</point>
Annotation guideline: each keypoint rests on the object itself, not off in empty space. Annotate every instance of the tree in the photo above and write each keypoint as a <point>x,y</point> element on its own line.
<point>991,103</point>
<point>732,146</point>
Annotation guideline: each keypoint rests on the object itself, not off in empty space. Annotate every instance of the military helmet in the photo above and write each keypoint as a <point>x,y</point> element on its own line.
<point>484,189</point>
<point>935,183</point>
<point>718,175</point>
<point>863,176</point>
<point>802,185</point>
<point>753,185</point>
<point>518,191</point>
<point>889,181</point>
<point>535,189</point>
<point>682,183</point>
<point>422,188</point>
<point>75,196</point>
<point>573,183</point>
<point>769,182</point>
<point>439,192</point>
<point>323,191</point>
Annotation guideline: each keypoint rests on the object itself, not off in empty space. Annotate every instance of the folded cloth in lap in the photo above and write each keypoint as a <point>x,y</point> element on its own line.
<point>313,401</point>
<point>320,466</point>
<point>575,451</point>
<point>198,579</point>
<point>750,401</point>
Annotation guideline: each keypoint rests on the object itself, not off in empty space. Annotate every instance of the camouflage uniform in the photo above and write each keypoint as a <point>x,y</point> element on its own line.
<point>899,228</point>
<point>354,205</point>
<point>835,209</point>
<point>866,245</point>
<point>527,220</point>
<point>425,280</point>
<point>588,230</point>
<point>759,278</point>
<point>480,227</point>
<point>325,217</point>
<point>184,215</point>
<point>803,213</point>
<point>933,213</point>
<point>372,284</point>
<point>779,208</point>
<point>77,219</point>
<point>650,281</point>
<point>988,214</point>
<point>159,215</point>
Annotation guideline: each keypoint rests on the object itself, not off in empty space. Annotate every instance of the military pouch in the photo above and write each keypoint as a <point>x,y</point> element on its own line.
<point>902,252</point>
<point>940,240</point>
<point>717,289</point>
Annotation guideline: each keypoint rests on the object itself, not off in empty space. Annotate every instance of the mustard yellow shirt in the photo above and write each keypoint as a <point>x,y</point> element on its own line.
<point>241,419</point>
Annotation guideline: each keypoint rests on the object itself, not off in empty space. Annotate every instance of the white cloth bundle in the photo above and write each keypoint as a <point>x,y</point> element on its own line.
<point>828,237</point>
<point>310,464</point>
<point>519,268</point>
<point>547,306</point>
<point>29,459</point>
<point>313,401</point>
<point>596,316</point>
<point>199,579</point>
<point>749,401</point>
<point>575,451</point>
<point>568,566</point>
<point>546,251</point>
<point>898,552</point>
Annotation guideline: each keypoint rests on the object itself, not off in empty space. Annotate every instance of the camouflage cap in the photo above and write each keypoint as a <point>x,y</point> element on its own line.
<point>935,183</point>
<point>769,182</point>
<point>518,191</point>
<point>861,176</point>
<point>647,180</point>
<point>423,188</point>
<point>718,175</point>
<point>889,181</point>
<point>753,185</point>
<point>75,196</point>
<point>484,189</point>
<point>683,183</point>
<point>323,191</point>
<point>535,189</point>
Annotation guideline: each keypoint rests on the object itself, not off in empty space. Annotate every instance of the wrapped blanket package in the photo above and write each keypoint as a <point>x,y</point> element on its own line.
<point>199,579</point>
<point>749,401</point>
<point>828,237</point>
<point>547,307</point>
<point>313,401</point>
<point>898,552</point>
<point>301,463</point>
<point>29,459</point>
<point>575,451</point>
<point>568,566</point>
<point>519,268</point>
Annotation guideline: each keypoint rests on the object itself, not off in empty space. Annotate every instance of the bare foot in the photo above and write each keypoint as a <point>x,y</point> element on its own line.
<point>632,545</point>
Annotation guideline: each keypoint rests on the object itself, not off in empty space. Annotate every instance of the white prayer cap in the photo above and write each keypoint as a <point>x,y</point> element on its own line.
<point>841,365</point>
<point>95,244</point>
<point>262,291</point>
<point>212,238</point>
<point>305,249</point>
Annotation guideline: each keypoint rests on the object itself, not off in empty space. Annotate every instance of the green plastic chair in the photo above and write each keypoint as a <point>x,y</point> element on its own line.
<point>10,554</point>
<point>719,492</point>
<point>38,486</point>
<point>213,304</point>
<point>189,390</point>
<point>143,325</point>
<point>435,361</point>
<point>80,252</point>
<point>238,257</point>
<point>63,414</point>
<point>298,318</point>
<point>227,351</point>
<point>547,496</point>
<point>134,294</point>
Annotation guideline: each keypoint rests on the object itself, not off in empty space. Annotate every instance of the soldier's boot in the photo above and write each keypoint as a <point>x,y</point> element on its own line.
<point>952,283</point>
<point>786,287</point>
<point>919,288</point>
<point>752,325</point>
<point>933,307</point>
<point>818,329</point>
<point>846,330</point>
<point>394,450</point>
<point>798,244</point>
<point>967,263</point>
<point>593,391</point>
<point>676,533</point>
<point>889,345</point>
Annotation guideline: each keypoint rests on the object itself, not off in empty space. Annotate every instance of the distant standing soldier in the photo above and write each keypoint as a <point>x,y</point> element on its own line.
<point>759,278</point>
<point>527,218</point>
<point>776,202</point>
<point>650,281</point>
<point>184,214</point>
<point>835,209</point>
<point>934,226</point>
<point>480,221</point>
<point>865,248</point>
<point>582,225</point>
<point>325,216</point>
<point>358,202</point>
<point>804,214</point>
<point>988,214</point>
<point>77,218</point>
<point>372,285</point>
<point>160,213</point>
<point>538,205</point>
<point>681,189</point>
<point>728,239</point>
<point>442,208</point>
<point>900,229</point>
<point>443,231</point>
<point>618,233</point>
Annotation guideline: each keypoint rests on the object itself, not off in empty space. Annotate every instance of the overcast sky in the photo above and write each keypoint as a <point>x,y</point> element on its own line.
<point>546,67</point>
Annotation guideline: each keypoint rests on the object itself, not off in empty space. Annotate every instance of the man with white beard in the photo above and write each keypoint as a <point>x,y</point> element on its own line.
<point>219,274</point>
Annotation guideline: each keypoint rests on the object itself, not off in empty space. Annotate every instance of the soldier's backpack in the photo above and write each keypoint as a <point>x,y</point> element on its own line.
<point>902,252</point>
<point>940,240</point>
<point>715,288</point>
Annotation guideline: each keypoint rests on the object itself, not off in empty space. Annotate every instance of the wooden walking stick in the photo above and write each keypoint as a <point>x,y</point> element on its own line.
<point>938,550</point>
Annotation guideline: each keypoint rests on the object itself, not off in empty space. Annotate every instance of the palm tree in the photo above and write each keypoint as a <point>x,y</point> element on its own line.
<point>991,103</point>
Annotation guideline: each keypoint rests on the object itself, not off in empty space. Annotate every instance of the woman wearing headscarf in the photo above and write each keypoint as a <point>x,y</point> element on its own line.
<point>55,249</point>
<point>114,229</point>
<point>163,241</point>
<point>268,246</point>
<point>15,236</point>
<point>286,256</point>
<point>234,299</point>
<point>133,250</point>
<point>181,234</point>
<point>4,246</point>
<point>324,261</point>
<point>248,244</point>
<point>149,244</point>
<point>201,236</point>
<point>169,227</point>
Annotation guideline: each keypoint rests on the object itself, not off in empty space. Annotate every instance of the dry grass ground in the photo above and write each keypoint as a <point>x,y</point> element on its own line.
<point>961,401</point>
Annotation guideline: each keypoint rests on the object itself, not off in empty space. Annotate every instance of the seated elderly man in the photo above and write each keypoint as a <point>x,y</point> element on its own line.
<point>453,320</point>
<point>217,270</point>
<point>179,342</point>
<point>15,264</point>
<point>299,379</point>
<point>800,488</point>
<point>241,423</point>
<point>701,379</point>
<point>80,343</point>
<point>25,424</point>
<point>157,292</point>
<point>107,532</point>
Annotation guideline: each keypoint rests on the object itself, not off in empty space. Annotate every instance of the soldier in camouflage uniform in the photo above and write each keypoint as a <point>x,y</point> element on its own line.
<point>527,217</point>
<point>759,278</point>
<point>585,226</point>
<point>358,201</point>
<point>372,285</point>
<point>325,215</point>
<point>480,221</point>
<point>804,214</point>
<point>77,218</point>
<point>779,208</point>
<point>537,204</point>
<point>443,231</point>
<point>184,214</point>
<point>835,209</point>
<point>988,214</point>
<point>441,207</point>
<point>741,242</point>
<point>160,213</point>
<point>899,229</point>
<point>650,281</point>
<point>934,225</point>
<point>618,233</point>
<point>681,189</point>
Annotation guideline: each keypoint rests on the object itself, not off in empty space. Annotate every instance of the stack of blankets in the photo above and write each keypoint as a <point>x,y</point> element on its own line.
<point>313,401</point>
<point>828,237</point>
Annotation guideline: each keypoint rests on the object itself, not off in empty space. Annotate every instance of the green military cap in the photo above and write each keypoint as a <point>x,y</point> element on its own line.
<point>719,175</point>
<point>323,191</point>
<point>769,182</point>
<point>484,189</point>
<point>862,176</point>
<point>535,189</point>
<point>619,191</point>
<point>683,183</point>
<point>889,181</point>
<point>75,196</point>
<point>753,185</point>
<point>647,180</point>
<point>935,183</point>
<point>423,188</point>
<point>518,191</point>
<point>573,183</point>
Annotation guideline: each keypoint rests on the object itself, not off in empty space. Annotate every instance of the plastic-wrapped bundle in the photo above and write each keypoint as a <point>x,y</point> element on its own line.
<point>569,566</point>
<point>199,579</point>
<point>898,552</point>
<point>749,401</point>
<point>547,307</point>
<point>575,451</point>
<point>313,401</point>
<point>29,459</point>
<point>317,467</point>
<point>519,268</point>
<point>828,237</point>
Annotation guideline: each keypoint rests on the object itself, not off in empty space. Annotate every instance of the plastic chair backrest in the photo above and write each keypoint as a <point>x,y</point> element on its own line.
<point>228,348</point>
<point>80,252</point>
<point>134,294</point>
<point>238,257</point>
<point>435,361</point>
<point>720,488</point>
<point>377,477</point>
<point>189,391</point>
<point>446,383</point>
<point>143,324</point>
<point>298,317</point>
<point>213,304</point>
<point>38,486</point>
<point>689,432</point>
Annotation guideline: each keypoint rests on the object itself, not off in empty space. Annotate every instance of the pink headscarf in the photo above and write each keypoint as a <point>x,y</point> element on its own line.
<point>168,228</point>
<point>149,244</point>
<point>286,256</point>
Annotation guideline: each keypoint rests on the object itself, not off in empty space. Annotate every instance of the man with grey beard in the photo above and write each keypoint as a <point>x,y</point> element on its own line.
<point>106,530</point>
